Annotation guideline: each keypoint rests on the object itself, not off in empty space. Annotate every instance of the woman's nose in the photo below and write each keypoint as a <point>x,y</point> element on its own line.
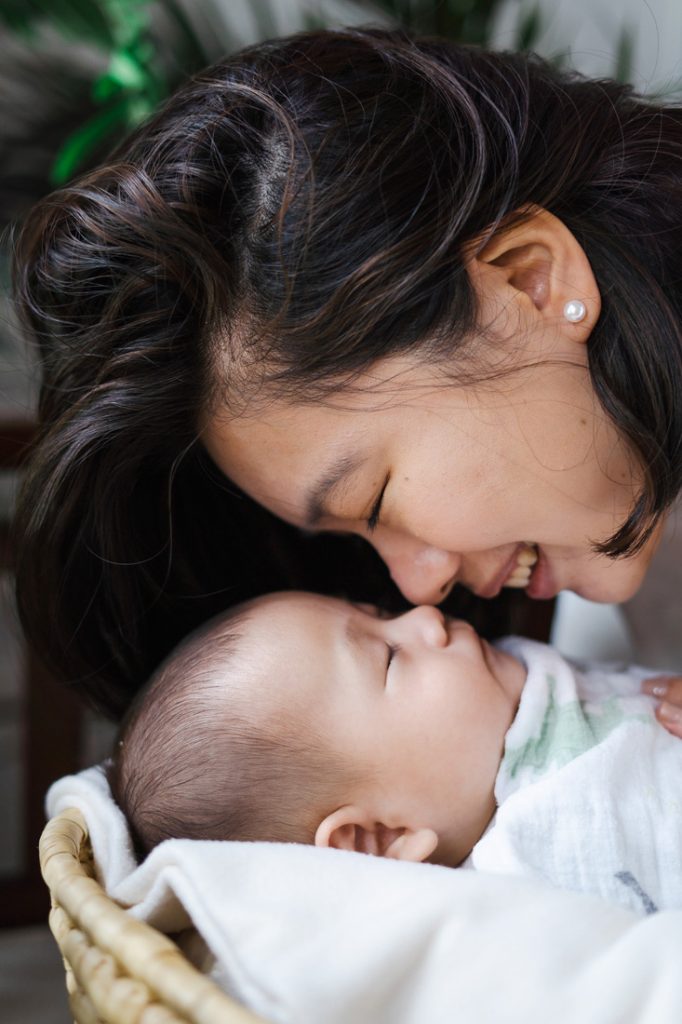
<point>422,573</point>
<point>422,625</point>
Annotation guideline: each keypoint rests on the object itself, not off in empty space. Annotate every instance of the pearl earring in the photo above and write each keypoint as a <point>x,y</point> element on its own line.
<point>575,311</point>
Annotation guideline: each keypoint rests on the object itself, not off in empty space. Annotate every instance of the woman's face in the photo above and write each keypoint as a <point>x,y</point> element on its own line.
<point>452,484</point>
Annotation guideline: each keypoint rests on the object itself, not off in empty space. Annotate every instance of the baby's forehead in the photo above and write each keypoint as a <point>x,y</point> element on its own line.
<point>294,608</point>
<point>292,633</point>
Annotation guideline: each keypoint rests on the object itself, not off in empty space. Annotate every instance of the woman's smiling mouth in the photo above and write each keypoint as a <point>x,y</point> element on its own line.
<point>516,572</point>
<point>521,572</point>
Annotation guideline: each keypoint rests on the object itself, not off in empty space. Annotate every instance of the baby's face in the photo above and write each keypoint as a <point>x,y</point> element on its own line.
<point>418,704</point>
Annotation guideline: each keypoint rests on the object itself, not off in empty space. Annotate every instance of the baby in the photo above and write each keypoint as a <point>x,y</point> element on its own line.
<point>300,718</point>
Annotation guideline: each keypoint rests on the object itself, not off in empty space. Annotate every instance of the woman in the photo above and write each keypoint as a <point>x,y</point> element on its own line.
<point>389,287</point>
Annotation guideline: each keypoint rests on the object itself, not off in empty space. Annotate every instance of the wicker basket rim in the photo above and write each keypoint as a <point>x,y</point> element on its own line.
<point>140,951</point>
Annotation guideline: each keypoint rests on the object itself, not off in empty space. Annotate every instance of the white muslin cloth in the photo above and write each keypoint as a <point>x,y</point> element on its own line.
<point>589,790</point>
<point>305,936</point>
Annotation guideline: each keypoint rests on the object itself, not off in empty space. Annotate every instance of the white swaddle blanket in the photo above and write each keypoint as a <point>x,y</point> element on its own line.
<point>590,786</point>
<point>306,936</point>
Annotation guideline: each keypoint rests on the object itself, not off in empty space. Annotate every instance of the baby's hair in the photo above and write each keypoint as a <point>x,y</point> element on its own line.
<point>202,754</point>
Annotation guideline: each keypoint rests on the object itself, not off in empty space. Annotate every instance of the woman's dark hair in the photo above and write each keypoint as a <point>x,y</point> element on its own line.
<point>301,208</point>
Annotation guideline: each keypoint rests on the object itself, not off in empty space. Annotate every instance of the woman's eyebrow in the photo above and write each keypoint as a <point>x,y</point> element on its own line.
<point>316,501</point>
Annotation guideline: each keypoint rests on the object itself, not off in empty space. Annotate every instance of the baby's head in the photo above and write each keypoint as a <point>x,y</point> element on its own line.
<point>300,718</point>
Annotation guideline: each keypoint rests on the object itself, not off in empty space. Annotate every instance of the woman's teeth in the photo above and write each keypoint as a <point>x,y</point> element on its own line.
<point>521,573</point>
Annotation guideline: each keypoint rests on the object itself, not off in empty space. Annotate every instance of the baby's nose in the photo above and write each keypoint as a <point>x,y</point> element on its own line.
<point>426,625</point>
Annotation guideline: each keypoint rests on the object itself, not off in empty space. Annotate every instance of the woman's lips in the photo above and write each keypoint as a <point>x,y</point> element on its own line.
<point>527,569</point>
<point>516,572</point>
<point>542,584</point>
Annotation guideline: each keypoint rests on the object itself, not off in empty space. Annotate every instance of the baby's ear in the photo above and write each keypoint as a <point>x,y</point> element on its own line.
<point>351,828</point>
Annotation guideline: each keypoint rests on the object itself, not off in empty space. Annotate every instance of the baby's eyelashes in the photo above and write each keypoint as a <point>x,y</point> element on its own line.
<point>392,651</point>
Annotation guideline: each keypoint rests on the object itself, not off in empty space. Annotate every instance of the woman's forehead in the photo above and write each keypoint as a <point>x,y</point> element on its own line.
<point>298,455</point>
<point>389,391</point>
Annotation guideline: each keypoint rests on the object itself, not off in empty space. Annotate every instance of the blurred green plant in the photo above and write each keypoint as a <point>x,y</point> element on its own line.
<point>134,80</point>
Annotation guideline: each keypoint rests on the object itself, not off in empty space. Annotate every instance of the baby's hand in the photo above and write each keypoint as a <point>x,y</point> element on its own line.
<point>668,689</point>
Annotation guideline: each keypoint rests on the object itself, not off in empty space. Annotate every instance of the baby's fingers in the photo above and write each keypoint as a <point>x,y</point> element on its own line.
<point>668,689</point>
<point>670,718</point>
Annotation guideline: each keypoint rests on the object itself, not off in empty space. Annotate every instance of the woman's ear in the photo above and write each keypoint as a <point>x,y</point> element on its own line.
<point>535,266</point>
<point>352,828</point>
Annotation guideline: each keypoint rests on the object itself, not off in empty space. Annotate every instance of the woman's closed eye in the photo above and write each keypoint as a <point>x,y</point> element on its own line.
<point>372,520</point>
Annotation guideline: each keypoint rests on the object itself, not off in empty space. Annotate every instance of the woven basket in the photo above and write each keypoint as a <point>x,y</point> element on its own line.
<point>119,970</point>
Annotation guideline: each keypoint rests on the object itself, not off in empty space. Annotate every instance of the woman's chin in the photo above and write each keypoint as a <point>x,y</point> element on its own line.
<point>615,582</point>
<point>606,580</point>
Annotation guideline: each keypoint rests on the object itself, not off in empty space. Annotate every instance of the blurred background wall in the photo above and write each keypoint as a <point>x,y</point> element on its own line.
<point>75,77</point>
<point>638,40</point>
